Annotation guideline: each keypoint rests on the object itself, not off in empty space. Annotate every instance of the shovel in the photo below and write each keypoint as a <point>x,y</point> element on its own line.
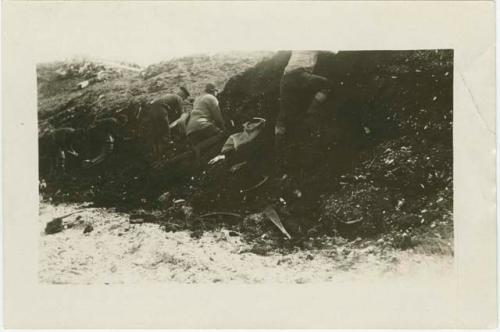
<point>272,215</point>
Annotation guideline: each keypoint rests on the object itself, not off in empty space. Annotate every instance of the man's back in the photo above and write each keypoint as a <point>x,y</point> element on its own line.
<point>205,113</point>
<point>159,113</point>
<point>173,103</point>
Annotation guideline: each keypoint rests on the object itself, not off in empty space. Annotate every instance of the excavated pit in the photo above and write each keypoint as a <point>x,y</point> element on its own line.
<point>381,159</point>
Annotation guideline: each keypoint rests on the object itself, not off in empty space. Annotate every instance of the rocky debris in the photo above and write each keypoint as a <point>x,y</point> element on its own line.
<point>83,84</point>
<point>165,200</point>
<point>396,188</point>
<point>196,234</point>
<point>54,226</point>
<point>143,217</point>
<point>88,229</point>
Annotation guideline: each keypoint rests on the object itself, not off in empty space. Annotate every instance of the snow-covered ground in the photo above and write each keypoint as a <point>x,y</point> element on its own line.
<point>116,251</point>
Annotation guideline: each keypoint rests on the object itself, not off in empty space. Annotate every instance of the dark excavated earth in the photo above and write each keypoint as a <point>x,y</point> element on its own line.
<point>380,161</point>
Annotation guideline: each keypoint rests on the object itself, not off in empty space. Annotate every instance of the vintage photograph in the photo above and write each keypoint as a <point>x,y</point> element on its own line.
<point>325,164</point>
<point>288,166</point>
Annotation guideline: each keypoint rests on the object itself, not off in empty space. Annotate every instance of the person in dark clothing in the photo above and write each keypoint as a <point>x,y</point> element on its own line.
<point>106,130</point>
<point>173,103</point>
<point>59,142</point>
<point>107,126</point>
<point>155,121</point>
<point>301,94</point>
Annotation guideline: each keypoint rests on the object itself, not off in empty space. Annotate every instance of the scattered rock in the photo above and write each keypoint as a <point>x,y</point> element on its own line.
<point>88,229</point>
<point>285,260</point>
<point>165,200</point>
<point>83,85</point>
<point>261,249</point>
<point>142,217</point>
<point>55,226</point>
<point>197,234</point>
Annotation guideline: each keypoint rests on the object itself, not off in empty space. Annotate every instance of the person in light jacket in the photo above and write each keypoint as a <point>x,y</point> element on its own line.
<point>205,120</point>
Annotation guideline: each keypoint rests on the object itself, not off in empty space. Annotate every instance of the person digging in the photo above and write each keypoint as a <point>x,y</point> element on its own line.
<point>205,125</point>
<point>59,142</point>
<point>155,121</point>
<point>302,96</point>
<point>106,130</point>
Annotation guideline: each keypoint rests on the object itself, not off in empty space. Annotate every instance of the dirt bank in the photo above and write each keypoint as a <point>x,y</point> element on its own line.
<point>379,159</point>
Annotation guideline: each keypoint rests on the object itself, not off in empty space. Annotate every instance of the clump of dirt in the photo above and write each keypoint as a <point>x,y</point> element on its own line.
<point>55,226</point>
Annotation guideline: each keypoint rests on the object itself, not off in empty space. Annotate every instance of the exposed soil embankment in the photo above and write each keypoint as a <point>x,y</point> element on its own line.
<point>381,160</point>
<point>382,156</point>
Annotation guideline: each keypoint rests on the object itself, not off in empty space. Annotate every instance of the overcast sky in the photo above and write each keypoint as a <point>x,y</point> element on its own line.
<point>148,32</point>
<point>145,33</point>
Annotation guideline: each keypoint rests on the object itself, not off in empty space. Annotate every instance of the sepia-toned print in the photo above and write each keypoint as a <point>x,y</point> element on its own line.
<point>293,166</point>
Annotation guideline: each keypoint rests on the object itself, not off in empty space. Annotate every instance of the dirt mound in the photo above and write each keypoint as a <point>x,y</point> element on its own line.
<point>389,93</point>
<point>381,156</point>
<point>127,177</point>
<point>125,86</point>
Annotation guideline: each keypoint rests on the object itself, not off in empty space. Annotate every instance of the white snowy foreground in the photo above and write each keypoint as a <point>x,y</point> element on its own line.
<point>117,252</point>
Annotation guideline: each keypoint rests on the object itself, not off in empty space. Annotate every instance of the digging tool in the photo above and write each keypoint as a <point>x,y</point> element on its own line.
<point>237,167</point>
<point>212,214</point>
<point>272,215</point>
<point>67,215</point>
<point>352,222</point>
<point>264,180</point>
